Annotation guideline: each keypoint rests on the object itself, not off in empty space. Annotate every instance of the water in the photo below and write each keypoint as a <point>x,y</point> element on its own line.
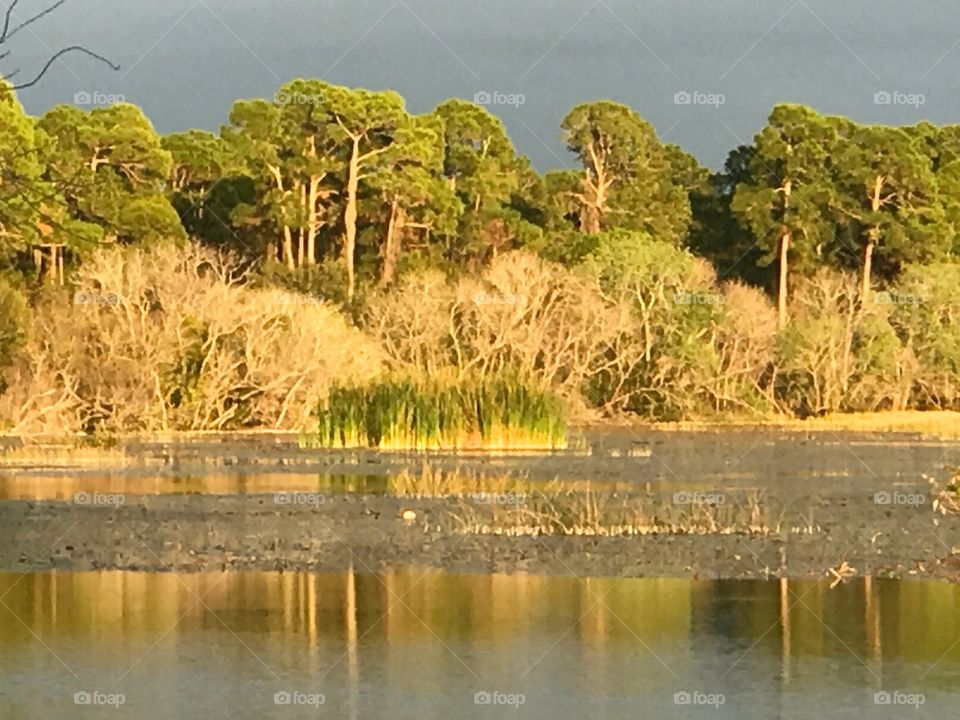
<point>425,644</point>
<point>813,462</point>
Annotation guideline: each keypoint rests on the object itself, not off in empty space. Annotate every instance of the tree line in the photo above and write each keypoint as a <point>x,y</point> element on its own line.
<point>327,175</point>
<point>345,195</point>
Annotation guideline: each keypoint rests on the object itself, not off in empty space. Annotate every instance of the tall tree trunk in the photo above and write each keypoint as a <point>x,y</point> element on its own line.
<point>868,266</point>
<point>301,232</point>
<point>873,237</point>
<point>312,211</point>
<point>313,222</point>
<point>391,246</point>
<point>784,252</point>
<point>596,191</point>
<point>782,289</point>
<point>288,248</point>
<point>287,234</point>
<point>350,217</point>
<point>591,220</point>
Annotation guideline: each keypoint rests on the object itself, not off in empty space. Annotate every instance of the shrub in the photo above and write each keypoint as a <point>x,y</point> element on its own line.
<point>171,338</point>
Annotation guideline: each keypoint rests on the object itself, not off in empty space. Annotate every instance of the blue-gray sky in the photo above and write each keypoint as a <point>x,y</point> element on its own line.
<point>186,61</point>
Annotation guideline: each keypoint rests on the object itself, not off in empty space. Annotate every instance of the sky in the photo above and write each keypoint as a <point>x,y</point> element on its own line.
<point>705,72</point>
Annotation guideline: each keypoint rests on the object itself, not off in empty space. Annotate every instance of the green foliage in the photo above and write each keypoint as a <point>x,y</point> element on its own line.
<point>630,180</point>
<point>112,171</point>
<point>335,193</point>
<point>23,191</point>
<point>926,316</point>
<point>789,188</point>
<point>673,305</point>
<point>14,321</point>
<point>497,412</point>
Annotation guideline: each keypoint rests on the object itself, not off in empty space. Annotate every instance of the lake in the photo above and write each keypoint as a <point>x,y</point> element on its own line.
<point>425,644</point>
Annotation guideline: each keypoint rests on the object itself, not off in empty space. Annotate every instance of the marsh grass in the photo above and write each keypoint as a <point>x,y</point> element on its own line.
<point>497,413</point>
<point>603,513</point>
<point>510,506</point>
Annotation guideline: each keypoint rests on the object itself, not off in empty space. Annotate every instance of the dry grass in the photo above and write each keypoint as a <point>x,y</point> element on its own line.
<point>500,505</point>
<point>555,511</point>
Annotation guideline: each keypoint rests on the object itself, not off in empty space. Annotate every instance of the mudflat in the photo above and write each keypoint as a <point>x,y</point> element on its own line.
<point>713,506</point>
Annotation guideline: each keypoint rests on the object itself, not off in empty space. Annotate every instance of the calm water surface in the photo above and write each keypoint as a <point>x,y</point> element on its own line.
<point>423,644</point>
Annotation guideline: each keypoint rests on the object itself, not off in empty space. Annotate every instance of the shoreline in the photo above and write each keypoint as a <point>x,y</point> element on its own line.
<point>285,450</point>
<point>944,424</point>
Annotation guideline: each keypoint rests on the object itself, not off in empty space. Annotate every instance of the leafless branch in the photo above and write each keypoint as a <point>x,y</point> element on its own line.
<point>12,25</point>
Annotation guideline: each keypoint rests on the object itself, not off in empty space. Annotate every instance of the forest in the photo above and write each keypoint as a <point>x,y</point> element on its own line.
<point>327,238</point>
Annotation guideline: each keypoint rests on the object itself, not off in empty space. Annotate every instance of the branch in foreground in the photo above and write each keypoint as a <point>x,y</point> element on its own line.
<point>57,56</point>
<point>9,30</point>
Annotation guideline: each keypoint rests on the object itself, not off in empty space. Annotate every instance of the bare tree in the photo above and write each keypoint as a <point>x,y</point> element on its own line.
<point>12,24</point>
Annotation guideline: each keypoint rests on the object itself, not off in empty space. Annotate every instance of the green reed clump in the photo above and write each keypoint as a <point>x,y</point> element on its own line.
<point>500,412</point>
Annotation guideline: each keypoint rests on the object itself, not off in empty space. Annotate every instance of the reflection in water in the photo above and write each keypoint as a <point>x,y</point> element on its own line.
<point>65,488</point>
<point>428,639</point>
